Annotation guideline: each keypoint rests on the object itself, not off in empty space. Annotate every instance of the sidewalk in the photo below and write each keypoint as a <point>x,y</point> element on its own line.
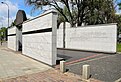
<point>14,64</point>
<point>14,67</point>
<point>51,75</point>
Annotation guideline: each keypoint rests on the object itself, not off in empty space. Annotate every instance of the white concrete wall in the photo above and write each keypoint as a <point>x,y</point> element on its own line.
<point>41,46</point>
<point>67,25</point>
<point>12,30</point>
<point>101,38</point>
<point>60,38</point>
<point>42,22</point>
<point>12,38</point>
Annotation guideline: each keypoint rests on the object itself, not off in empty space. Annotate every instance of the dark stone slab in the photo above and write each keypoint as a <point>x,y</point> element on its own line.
<point>20,17</point>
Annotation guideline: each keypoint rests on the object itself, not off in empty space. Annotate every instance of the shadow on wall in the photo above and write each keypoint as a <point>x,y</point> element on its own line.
<point>20,46</point>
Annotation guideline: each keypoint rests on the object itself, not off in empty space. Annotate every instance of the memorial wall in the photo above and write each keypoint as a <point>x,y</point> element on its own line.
<point>12,38</point>
<point>39,38</point>
<point>99,38</point>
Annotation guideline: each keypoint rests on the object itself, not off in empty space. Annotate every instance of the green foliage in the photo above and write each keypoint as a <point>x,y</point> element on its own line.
<point>100,12</point>
<point>3,33</point>
<point>119,47</point>
<point>119,5</point>
<point>90,12</point>
<point>61,18</point>
<point>118,21</point>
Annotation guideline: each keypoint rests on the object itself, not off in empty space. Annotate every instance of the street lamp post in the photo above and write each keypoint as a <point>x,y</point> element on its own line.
<point>8,11</point>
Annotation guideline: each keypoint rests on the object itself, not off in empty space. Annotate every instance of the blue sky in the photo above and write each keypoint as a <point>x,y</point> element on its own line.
<point>15,5</point>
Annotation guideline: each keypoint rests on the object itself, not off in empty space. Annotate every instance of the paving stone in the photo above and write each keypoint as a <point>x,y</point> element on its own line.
<point>18,68</point>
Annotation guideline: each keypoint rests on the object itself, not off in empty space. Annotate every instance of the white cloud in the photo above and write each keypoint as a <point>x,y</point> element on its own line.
<point>29,16</point>
<point>13,7</point>
<point>118,12</point>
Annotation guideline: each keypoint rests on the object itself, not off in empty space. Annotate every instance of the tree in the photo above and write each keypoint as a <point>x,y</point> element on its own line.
<point>76,9</point>
<point>80,11</point>
<point>40,3</point>
<point>62,20</point>
<point>118,20</point>
<point>119,5</point>
<point>100,12</point>
<point>3,32</point>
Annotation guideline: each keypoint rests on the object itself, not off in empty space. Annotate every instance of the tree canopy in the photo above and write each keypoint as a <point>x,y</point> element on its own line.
<point>80,11</point>
<point>3,32</point>
<point>119,5</point>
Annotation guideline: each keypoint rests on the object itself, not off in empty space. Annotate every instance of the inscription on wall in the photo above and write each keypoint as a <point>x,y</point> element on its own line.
<point>102,38</point>
<point>89,36</point>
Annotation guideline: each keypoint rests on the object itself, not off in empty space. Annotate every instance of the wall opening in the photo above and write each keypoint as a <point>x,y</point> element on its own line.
<point>19,38</point>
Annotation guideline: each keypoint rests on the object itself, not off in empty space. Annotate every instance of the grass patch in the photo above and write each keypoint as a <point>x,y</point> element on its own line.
<point>119,47</point>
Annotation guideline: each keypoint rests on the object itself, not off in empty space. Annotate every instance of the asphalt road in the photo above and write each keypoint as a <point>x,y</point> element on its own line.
<point>104,67</point>
<point>70,55</point>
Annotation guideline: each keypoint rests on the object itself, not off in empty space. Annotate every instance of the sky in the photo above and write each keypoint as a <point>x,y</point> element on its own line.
<point>14,6</point>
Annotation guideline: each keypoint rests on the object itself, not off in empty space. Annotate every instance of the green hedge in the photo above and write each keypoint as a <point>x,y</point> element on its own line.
<point>119,47</point>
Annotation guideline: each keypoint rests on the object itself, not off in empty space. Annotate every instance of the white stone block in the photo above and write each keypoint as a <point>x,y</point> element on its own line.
<point>62,66</point>
<point>44,21</point>
<point>12,43</point>
<point>86,72</point>
<point>12,40</point>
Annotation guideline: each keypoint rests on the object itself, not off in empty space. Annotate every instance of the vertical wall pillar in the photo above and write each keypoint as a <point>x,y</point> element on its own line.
<point>12,38</point>
<point>54,37</point>
<point>19,38</point>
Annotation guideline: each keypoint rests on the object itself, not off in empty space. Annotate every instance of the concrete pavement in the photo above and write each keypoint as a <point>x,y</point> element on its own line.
<point>14,64</point>
<point>14,67</point>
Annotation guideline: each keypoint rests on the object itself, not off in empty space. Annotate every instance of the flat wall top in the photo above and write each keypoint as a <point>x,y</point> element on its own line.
<point>99,25</point>
<point>12,30</point>
<point>47,12</point>
<point>44,21</point>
